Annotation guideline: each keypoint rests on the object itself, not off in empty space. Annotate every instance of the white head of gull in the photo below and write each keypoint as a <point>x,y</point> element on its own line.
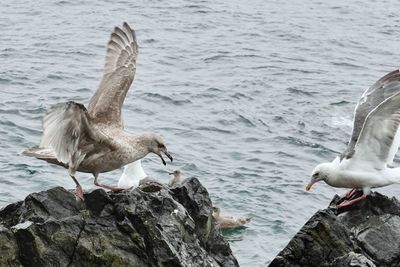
<point>93,140</point>
<point>365,163</point>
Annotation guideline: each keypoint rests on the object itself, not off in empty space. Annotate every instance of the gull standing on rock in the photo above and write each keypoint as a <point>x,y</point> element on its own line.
<point>176,178</point>
<point>372,146</point>
<point>93,140</point>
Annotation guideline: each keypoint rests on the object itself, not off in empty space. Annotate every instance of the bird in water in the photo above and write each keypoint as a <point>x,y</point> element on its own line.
<point>227,221</point>
<point>93,139</point>
<point>365,163</point>
<point>175,178</point>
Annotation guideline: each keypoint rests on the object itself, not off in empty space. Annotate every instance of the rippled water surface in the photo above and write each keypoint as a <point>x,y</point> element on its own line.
<point>249,95</point>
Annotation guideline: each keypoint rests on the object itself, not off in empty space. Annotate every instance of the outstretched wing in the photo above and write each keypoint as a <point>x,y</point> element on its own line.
<point>69,133</point>
<point>384,88</point>
<point>378,141</point>
<point>119,71</point>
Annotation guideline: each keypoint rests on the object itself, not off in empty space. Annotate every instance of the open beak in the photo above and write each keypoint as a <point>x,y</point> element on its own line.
<point>166,154</point>
<point>309,185</point>
<point>162,159</point>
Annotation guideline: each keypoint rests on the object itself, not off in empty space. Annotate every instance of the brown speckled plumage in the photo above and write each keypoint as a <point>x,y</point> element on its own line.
<point>93,140</point>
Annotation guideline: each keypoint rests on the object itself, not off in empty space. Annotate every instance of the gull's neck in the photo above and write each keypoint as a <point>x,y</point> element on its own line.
<point>132,174</point>
<point>135,147</point>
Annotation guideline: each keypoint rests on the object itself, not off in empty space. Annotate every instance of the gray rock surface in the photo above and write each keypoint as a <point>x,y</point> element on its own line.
<point>148,226</point>
<point>365,235</point>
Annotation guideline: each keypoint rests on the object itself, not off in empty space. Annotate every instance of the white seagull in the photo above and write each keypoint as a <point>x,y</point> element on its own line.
<point>365,163</point>
<point>132,175</point>
<point>93,140</point>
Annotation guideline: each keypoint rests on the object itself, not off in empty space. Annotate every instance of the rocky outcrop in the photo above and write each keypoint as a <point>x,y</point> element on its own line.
<point>367,235</point>
<point>152,225</point>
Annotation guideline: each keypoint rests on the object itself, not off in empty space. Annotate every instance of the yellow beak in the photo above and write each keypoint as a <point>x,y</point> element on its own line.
<point>309,185</point>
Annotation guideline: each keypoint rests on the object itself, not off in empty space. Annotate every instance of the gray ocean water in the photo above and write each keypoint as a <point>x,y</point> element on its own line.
<point>249,95</point>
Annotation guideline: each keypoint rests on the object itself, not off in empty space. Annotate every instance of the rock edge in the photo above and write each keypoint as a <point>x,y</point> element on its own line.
<point>366,235</point>
<point>148,226</point>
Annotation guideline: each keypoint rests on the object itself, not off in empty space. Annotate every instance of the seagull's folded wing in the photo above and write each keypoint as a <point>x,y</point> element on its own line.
<point>119,71</point>
<point>381,90</point>
<point>68,131</point>
<point>379,140</point>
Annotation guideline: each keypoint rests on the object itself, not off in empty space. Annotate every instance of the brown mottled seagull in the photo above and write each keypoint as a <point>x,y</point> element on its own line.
<point>93,140</point>
<point>226,221</point>
<point>175,178</point>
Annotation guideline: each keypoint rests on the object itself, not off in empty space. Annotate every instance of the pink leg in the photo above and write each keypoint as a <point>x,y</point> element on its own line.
<point>78,190</point>
<point>347,203</point>
<point>114,189</point>
<point>350,193</point>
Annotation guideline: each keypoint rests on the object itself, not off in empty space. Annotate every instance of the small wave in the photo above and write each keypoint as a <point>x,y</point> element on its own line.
<point>240,95</point>
<point>214,89</point>
<point>80,53</point>
<point>340,103</point>
<point>177,102</point>
<point>245,121</point>
<point>214,129</point>
<point>55,76</point>
<point>149,41</point>
<point>298,91</point>
<point>347,65</point>
<point>216,57</point>
<point>4,80</point>
<point>301,143</point>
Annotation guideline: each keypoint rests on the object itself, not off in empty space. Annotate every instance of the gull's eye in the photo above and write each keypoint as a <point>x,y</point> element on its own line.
<point>316,174</point>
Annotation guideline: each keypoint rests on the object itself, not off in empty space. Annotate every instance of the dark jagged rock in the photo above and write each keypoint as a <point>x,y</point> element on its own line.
<point>148,226</point>
<point>365,235</point>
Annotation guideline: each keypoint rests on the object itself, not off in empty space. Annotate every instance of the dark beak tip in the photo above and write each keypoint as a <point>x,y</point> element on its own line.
<point>169,156</point>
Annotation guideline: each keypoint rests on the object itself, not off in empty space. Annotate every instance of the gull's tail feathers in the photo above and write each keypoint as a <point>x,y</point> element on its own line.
<point>42,153</point>
<point>39,152</point>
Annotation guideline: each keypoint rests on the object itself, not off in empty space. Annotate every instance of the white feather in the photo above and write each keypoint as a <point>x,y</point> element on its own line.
<point>378,141</point>
<point>132,174</point>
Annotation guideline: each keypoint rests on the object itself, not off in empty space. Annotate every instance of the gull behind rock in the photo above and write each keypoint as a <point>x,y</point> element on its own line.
<point>132,175</point>
<point>175,178</point>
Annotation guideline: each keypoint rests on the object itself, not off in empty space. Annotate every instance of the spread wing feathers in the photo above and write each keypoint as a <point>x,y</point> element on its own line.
<point>122,49</point>
<point>382,89</point>
<point>119,71</point>
<point>68,132</point>
<point>377,143</point>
